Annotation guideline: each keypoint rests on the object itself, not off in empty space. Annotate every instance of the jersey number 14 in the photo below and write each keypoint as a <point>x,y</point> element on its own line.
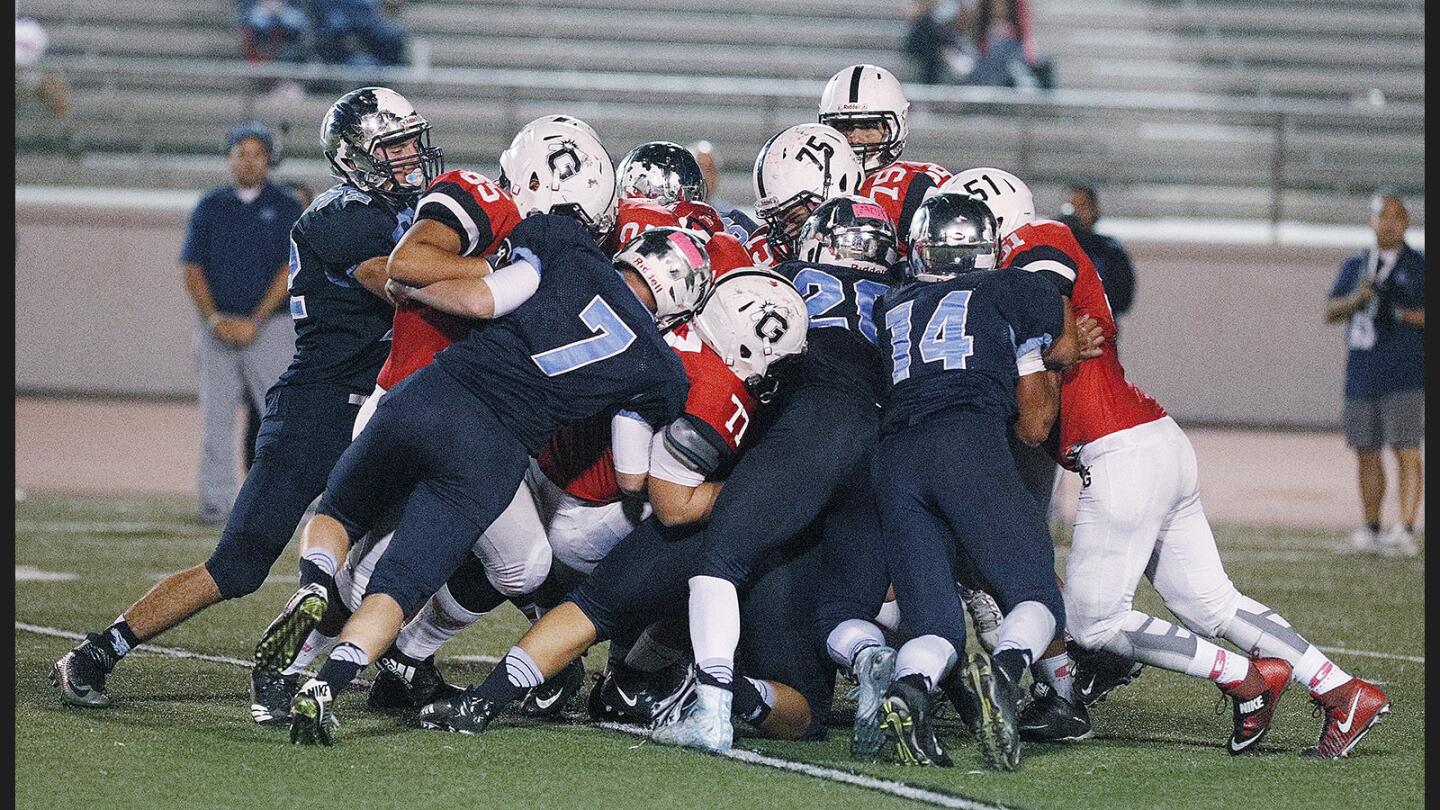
<point>944,339</point>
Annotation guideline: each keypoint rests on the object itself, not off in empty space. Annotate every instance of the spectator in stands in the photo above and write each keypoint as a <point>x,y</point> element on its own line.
<point>236,257</point>
<point>704,153</point>
<point>1004,50</point>
<point>1081,211</point>
<point>275,30</point>
<point>932,33</point>
<point>358,33</point>
<point>31,41</point>
<point>1381,293</point>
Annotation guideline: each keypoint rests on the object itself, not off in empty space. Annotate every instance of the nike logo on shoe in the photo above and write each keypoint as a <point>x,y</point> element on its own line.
<point>629,701</point>
<point>1237,747</point>
<point>1254,704</point>
<point>1344,728</point>
<point>547,702</point>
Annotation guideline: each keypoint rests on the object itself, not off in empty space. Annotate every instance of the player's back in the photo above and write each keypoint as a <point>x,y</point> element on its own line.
<point>954,344</point>
<point>900,188</point>
<point>582,343</point>
<point>634,216</point>
<point>482,214</point>
<point>1095,397</point>
<point>840,354</point>
<point>341,329</point>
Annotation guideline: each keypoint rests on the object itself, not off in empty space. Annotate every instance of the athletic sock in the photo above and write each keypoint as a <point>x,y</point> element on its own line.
<point>1238,676</point>
<point>516,674</point>
<point>345,663</point>
<point>315,644</point>
<point>1318,673</point>
<point>441,617</point>
<point>1058,673</point>
<point>1263,632</point>
<point>888,616</point>
<point>714,628</point>
<point>1013,662</point>
<point>116,641</point>
<point>930,657</point>
<point>318,565</point>
<point>1373,527</point>
<point>662,644</point>
<point>752,702</point>
<point>849,639</point>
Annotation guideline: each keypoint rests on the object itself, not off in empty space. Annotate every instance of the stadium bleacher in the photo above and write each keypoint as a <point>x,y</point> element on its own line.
<point>1334,88</point>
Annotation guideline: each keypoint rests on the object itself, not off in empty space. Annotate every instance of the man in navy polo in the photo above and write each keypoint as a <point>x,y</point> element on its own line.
<point>1380,293</point>
<point>236,258</point>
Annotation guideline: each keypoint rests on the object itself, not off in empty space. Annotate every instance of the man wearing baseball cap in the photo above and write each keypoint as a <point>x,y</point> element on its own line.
<point>236,258</point>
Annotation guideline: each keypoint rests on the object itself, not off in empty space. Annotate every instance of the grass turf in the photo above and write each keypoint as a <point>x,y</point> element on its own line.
<point>179,733</point>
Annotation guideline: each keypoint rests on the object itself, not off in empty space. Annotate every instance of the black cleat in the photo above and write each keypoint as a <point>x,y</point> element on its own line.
<point>312,721</point>
<point>905,719</point>
<point>403,684</point>
<point>466,713</point>
<point>80,674</point>
<point>625,695</point>
<point>996,729</point>
<point>550,698</point>
<point>280,644</point>
<point>1100,672</point>
<point>1050,718</point>
<point>270,696</point>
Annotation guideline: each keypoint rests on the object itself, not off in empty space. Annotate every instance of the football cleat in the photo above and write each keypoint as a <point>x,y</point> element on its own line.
<point>280,644</point>
<point>674,703</point>
<point>1360,541</point>
<point>626,695</point>
<point>985,615</point>
<point>550,698</point>
<point>1398,542</point>
<point>1253,716</point>
<point>404,684</point>
<point>270,696</point>
<point>80,674</point>
<point>705,724</point>
<point>1050,718</point>
<point>905,719</point>
<point>874,672</point>
<point>1350,711</point>
<point>996,727</point>
<point>312,720</point>
<point>1100,672</point>
<point>466,713</point>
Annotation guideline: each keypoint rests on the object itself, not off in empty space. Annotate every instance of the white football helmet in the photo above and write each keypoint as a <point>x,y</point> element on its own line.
<point>557,167</point>
<point>675,266</point>
<point>796,170</point>
<point>866,96</point>
<point>753,318</point>
<point>1007,196</point>
<point>567,120</point>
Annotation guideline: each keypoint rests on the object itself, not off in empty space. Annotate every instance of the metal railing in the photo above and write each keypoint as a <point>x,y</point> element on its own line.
<point>511,87</point>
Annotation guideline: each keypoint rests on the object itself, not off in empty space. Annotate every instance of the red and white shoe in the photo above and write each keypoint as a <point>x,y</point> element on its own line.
<point>1350,710</point>
<point>1254,715</point>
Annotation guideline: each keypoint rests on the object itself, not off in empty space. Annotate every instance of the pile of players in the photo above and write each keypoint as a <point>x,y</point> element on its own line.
<point>747,455</point>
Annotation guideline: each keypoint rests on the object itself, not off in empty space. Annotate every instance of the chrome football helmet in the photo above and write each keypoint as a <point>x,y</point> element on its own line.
<point>1006,195</point>
<point>675,266</point>
<point>661,171</point>
<point>951,234</point>
<point>358,129</point>
<point>753,319</point>
<point>796,170</point>
<point>862,96</point>
<point>557,167</point>
<point>850,231</point>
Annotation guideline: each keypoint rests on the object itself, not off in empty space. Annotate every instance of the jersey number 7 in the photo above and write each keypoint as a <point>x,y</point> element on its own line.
<point>944,338</point>
<point>611,337</point>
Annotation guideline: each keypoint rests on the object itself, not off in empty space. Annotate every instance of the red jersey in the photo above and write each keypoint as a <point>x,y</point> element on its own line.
<point>482,214</point>
<point>900,188</point>
<point>634,216</point>
<point>726,253</point>
<point>758,246</point>
<point>719,407</point>
<point>1095,398</point>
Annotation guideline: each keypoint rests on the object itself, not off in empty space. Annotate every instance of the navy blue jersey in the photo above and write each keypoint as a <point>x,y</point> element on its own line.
<point>342,331</point>
<point>840,348</point>
<point>954,344</point>
<point>581,344</point>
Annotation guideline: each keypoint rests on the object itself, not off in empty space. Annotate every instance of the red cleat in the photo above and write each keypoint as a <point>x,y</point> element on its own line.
<point>1351,710</point>
<point>1253,715</point>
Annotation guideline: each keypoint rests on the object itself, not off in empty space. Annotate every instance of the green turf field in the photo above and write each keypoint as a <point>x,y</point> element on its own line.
<point>180,734</point>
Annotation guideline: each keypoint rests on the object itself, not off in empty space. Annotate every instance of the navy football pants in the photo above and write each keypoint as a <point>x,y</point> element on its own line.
<point>305,430</point>
<point>950,484</point>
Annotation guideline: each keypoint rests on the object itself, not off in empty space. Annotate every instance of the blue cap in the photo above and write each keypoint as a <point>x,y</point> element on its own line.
<point>251,129</point>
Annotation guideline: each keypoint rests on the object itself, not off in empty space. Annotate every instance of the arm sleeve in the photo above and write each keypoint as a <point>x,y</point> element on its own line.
<point>450,203</point>
<point>1051,264</point>
<point>196,233</point>
<point>630,438</point>
<point>511,286</point>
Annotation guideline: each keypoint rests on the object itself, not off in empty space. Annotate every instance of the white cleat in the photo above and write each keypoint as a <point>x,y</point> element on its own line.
<point>705,725</point>
<point>1362,541</point>
<point>874,672</point>
<point>985,615</point>
<point>1398,542</point>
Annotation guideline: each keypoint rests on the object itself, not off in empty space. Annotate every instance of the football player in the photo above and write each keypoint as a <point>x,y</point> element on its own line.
<point>866,104</point>
<point>956,336</point>
<point>1139,513</point>
<point>379,149</point>
<point>570,335</point>
<point>753,319</point>
<point>796,170</point>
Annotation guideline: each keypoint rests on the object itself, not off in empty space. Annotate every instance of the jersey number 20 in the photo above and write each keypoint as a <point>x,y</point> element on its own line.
<point>944,338</point>
<point>611,337</point>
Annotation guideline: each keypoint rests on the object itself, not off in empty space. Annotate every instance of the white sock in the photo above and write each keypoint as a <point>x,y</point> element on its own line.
<point>1318,673</point>
<point>714,626</point>
<point>928,656</point>
<point>1264,632</point>
<point>850,637</point>
<point>315,645</point>
<point>521,670</point>
<point>437,622</point>
<point>1226,667</point>
<point>1058,672</point>
<point>889,616</point>
<point>322,559</point>
<point>1029,626</point>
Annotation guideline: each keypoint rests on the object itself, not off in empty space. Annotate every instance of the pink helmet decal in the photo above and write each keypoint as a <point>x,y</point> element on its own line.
<point>871,210</point>
<point>687,246</point>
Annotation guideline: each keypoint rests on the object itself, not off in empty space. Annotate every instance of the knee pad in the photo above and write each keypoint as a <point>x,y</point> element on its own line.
<point>1206,615</point>
<point>1090,631</point>
<point>523,576</point>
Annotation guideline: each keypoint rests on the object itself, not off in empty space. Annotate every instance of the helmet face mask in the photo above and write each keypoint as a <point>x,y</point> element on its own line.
<point>868,96</point>
<point>661,171</point>
<point>674,265</point>
<point>949,235</point>
<point>361,132</point>
<point>797,170</point>
<point>849,231</point>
